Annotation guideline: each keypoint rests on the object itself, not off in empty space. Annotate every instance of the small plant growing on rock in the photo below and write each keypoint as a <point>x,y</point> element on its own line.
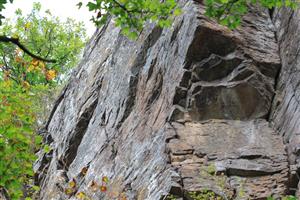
<point>170,197</point>
<point>205,195</point>
<point>82,196</point>
<point>211,169</point>
<point>284,198</point>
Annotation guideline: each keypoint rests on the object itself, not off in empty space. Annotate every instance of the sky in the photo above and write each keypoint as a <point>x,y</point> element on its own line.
<point>60,8</point>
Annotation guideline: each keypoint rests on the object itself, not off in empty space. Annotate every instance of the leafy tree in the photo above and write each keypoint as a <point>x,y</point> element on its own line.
<point>23,80</point>
<point>230,12</point>
<point>17,139</point>
<point>131,15</point>
<point>47,37</point>
<point>7,39</point>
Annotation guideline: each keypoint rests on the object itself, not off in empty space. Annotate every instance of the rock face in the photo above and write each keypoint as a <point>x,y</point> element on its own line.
<point>180,110</point>
<point>285,112</point>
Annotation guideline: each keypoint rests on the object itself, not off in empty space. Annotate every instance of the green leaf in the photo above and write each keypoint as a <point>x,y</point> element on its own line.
<point>47,149</point>
<point>91,6</point>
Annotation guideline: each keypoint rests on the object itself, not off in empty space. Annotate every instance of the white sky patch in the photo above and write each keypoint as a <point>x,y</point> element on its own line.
<point>60,8</point>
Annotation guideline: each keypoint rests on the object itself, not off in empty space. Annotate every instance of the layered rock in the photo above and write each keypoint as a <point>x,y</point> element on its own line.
<point>230,157</point>
<point>180,110</point>
<point>285,113</point>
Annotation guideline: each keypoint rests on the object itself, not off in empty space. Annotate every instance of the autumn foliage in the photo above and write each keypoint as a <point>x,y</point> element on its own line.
<point>23,81</point>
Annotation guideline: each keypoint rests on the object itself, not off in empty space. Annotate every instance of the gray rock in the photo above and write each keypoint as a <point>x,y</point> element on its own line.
<point>3,194</point>
<point>285,115</point>
<point>230,150</point>
<point>179,110</point>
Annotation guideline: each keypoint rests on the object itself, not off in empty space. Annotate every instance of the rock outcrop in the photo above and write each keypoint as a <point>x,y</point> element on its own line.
<point>285,115</point>
<point>181,110</point>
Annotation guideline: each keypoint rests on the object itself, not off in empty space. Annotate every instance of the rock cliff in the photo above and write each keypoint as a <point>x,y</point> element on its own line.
<point>186,109</point>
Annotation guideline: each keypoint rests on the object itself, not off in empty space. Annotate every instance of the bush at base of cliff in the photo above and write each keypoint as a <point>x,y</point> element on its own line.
<point>25,86</point>
<point>17,139</point>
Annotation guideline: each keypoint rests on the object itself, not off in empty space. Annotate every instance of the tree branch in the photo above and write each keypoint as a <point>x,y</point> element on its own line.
<point>21,46</point>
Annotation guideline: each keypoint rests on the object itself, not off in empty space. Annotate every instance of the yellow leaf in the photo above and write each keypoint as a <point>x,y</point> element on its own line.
<point>26,84</point>
<point>122,198</point>
<point>35,62</point>
<point>42,65</point>
<point>50,75</point>
<point>105,179</point>
<point>31,68</point>
<point>15,35</point>
<point>72,184</point>
<point>68,191</point>
<point>103,188</point>
<point>27,25</point>
<point>7,83</point>
<point>81,195</point>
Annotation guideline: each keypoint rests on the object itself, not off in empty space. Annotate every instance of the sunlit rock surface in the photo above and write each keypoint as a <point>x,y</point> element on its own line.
<point>179,110</point>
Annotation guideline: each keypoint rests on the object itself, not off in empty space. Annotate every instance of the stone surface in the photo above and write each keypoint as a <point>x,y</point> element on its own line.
<point>3,194</point>
<point>235,157</point>
<point>285,115</point>
<point>179,110</point>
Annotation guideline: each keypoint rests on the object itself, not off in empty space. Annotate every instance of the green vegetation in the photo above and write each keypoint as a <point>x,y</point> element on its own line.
<point>24,80</point>
<point>211,169</point>
<point>171,197</point>
<point>209,172</point>
<point>205,195</point>
<point>47,37</point>
<point>131,15</point>
<point>17,139</point>
<point>284,198</point>
<point>230,12</point>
